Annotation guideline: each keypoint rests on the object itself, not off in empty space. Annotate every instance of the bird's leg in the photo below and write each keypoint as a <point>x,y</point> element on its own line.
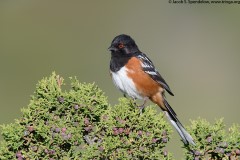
<point>141,107</point>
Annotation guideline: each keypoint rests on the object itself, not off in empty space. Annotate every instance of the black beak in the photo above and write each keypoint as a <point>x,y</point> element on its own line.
<point>112,49</point>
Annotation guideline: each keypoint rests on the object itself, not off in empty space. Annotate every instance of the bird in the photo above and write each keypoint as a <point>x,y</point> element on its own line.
<point>135,75</point>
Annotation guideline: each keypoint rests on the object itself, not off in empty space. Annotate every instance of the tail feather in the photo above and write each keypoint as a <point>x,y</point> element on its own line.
<point>186,137</point>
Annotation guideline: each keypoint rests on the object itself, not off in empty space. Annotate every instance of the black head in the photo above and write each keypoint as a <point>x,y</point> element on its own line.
<point>123,45</point>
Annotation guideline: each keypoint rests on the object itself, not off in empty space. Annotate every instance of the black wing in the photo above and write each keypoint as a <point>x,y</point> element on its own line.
<point>149,68</point>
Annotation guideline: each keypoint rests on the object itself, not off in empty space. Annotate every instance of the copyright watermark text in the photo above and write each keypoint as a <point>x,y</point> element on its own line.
<point>204,1</point>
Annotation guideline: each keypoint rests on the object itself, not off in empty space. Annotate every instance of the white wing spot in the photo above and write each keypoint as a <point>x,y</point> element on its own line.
<point>151,72</point>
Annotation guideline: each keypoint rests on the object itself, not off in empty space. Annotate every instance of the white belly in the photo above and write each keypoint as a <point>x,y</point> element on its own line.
<point>125,84</point>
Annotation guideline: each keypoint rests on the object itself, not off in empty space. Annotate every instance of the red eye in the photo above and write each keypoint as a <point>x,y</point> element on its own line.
<point>121,45</point>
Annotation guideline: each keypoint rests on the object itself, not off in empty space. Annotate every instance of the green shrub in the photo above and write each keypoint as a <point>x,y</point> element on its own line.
<point>131,135</point>
<point>213,142</point>
<point>80,124</point>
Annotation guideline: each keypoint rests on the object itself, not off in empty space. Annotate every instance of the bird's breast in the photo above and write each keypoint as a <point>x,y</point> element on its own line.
<point>124,83</point>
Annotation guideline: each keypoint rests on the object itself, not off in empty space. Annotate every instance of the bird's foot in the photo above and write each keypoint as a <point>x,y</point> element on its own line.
<point>141,107</point>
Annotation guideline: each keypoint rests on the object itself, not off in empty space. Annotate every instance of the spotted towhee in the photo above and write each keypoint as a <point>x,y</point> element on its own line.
<point>135,75</point>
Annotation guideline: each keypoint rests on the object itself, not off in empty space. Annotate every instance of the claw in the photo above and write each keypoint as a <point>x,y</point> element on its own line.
<point>141,107</point>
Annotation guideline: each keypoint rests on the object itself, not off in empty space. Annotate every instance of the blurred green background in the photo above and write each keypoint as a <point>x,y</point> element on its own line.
<point>195,48</point>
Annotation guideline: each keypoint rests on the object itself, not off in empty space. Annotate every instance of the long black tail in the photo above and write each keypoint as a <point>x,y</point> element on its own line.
<point>172,116</point>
